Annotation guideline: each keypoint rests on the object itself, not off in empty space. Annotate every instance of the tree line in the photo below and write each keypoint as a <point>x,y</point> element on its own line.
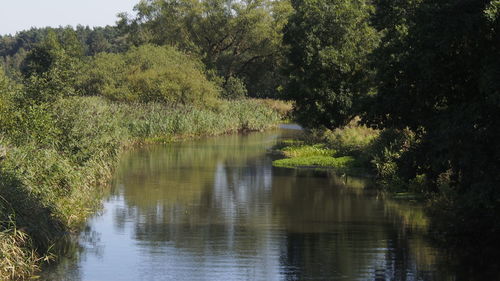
<point>425,72</point>
<point>239,42</point>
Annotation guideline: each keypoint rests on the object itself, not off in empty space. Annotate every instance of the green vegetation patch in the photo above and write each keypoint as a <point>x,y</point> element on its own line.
<point>150,74</point>
<point>316,149</point>
<point>344,162</point>
<point>305,151</point>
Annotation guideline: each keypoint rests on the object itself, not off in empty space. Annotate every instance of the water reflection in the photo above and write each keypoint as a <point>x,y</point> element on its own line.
<point>217,210</point>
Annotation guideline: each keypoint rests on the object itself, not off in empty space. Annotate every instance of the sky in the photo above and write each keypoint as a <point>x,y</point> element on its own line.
<point>18,15</point>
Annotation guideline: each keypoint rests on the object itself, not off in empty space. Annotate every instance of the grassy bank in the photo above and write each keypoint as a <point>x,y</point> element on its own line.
<point>56,159</point>
<point>345,150</point>
<point>316,155</point>
<point>359,151</point>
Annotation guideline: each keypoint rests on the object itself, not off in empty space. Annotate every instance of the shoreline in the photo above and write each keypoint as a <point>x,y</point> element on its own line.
<point>50,172</point>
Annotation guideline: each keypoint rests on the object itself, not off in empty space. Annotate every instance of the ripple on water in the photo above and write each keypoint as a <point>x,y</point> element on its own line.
<point>216,209</point>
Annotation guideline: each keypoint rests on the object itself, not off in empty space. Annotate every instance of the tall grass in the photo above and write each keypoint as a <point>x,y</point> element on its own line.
<point>17,261</point>
<point>155,121</point>
<point>51,179</point>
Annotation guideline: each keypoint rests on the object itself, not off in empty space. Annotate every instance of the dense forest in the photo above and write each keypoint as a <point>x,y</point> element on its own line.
<point>426,73</point>
<point>423,74</point>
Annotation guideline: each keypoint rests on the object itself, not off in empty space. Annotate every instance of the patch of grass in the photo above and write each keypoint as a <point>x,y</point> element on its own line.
<point>342,149</point>
<point>308,151</point>
<point>16,260</point>
<point>341,163</point>
<point>353,139</point>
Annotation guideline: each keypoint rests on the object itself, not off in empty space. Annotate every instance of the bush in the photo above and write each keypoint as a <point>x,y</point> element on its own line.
<point>150,74</point>
<point>89,129</point>
<point>352,139</point>
<point>386,153</point>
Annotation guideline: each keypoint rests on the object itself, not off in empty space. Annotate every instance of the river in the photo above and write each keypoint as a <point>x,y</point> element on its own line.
<point>216,209</point>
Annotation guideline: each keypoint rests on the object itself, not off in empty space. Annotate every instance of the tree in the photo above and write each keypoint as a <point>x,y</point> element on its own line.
<point>150,74</point>
<point>329,44</point>
<point>239,39</point>
<point>51,69</point>
<point>441,80</point>
<point>97,43</point>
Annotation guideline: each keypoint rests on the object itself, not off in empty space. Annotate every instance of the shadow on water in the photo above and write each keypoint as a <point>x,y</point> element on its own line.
<point>216,209</point>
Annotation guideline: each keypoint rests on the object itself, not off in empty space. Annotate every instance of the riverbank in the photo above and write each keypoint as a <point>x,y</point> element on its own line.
<point>345,150</point>
<point>58,158</point>
<point>215,206</point>
<point>355,150</point>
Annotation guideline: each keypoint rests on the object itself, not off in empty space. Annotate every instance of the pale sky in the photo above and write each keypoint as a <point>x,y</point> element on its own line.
<point>17,15</point>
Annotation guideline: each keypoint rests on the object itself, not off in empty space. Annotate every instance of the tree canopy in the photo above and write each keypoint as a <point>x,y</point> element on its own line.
<point>329,43</point>
<point>239,39</point>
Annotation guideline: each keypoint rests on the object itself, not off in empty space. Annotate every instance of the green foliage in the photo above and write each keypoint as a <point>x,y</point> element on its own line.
<point>14,48</point>
<point>437,78</point>
<point>387,154</point>
<point>329,42</point>
<point>31,123</point>
<point>51,68</point>
<point>307,151</point>
<point>234,89</point>
<point>54,159</point>
<point>89,130</point>
<point>340,163</point>
<point>149,73</point>
<point>431,83</point>
<point>5,91</point>
<point>353,139</point>
<point>298,154</point>
<point>236,38</point>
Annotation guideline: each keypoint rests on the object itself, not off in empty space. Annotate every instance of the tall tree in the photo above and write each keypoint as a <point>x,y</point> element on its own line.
<point>329,44</point>
<point>51,69</point>
<point>236,38</point>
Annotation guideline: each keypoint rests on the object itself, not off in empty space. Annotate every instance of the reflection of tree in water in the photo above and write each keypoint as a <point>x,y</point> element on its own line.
<point>335,233</point>
<point>221,198</point>
<point>218,200</point>
<point>200,197</point>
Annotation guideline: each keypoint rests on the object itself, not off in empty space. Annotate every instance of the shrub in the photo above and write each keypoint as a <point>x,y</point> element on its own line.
<point>150,74</point>
<point>386,152</point>
<point>352,139</point>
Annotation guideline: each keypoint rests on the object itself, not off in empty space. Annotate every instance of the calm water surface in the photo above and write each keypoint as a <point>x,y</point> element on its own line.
<point>216,209</point>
